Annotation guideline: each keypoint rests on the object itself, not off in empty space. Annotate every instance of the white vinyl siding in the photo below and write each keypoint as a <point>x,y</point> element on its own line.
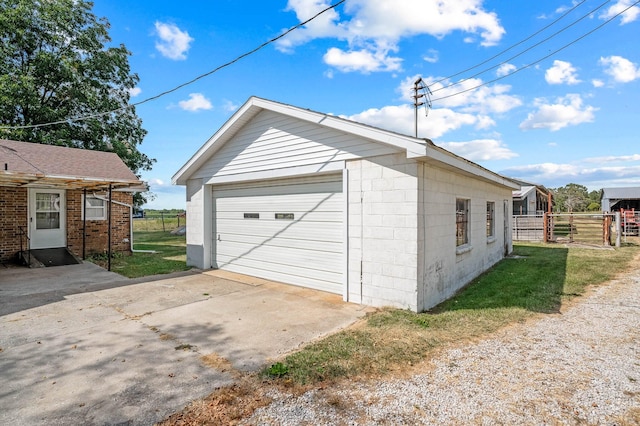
<point>274,141</point>
<point>306,250</point>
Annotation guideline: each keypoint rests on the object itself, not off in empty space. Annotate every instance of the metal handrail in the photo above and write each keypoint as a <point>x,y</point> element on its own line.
<point>24,234</point>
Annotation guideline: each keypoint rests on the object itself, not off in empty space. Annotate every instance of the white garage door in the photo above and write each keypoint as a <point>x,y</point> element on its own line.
<point>286,230</point>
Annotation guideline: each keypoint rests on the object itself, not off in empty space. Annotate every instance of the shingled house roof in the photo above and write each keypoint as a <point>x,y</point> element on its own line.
<point>32,164</point>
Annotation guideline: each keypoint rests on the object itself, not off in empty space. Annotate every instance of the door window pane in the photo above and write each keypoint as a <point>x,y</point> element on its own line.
<point>47,211</point>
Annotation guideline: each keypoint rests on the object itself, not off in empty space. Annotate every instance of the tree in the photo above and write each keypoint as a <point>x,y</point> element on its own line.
<point>54,67</point>
<point>571,198</point>
<point>595,197</point>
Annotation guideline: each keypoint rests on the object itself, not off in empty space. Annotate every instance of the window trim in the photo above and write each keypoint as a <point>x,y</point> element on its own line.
<point>491,220</point>
<point>104,207</point>
<point>462,240</point>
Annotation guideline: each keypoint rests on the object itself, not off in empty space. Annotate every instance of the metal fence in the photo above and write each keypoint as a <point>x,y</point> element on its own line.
<point>602,229</point>
<point>528,228</point>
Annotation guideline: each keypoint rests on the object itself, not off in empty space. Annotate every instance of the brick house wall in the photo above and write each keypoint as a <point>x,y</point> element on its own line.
<point>13,215</point>
<point>97,230</point>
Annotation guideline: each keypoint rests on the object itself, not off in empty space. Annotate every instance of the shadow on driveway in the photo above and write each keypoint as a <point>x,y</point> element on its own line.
<point>84,347</point>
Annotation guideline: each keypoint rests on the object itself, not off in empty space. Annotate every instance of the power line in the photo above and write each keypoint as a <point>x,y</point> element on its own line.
<point>519,54</point>
<point>180,86</point>
<point>512,46</point>
<point>541,59</point>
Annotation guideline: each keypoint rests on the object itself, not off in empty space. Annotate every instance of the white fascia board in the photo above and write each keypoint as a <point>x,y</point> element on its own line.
<point>443,156</point>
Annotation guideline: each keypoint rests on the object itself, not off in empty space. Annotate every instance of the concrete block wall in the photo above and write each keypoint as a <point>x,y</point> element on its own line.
<point>383,245</point>
<point>97,231</point>
<point>198,223</point>
<point>13,214</point>
<point>444,268</point>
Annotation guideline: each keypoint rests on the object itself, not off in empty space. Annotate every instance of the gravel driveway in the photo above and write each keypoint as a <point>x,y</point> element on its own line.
<point>581,366</point>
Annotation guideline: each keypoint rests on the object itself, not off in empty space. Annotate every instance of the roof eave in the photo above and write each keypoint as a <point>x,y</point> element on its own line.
<point>441,155</point>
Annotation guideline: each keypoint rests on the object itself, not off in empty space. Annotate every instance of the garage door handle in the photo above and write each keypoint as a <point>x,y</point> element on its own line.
<point>219,239</point>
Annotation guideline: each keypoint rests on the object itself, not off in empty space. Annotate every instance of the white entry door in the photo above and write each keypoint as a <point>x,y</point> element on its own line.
<point>289,231</point>
<point>47,219</point>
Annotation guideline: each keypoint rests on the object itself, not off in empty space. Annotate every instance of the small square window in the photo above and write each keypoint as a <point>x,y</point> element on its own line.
<point>252,215</point>
<point>95,208</point>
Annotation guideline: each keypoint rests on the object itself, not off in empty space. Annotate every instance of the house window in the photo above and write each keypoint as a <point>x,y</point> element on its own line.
<point>252,215</point>
<point>462,222</point>
<point>95,208</point>
<point>491,218</point>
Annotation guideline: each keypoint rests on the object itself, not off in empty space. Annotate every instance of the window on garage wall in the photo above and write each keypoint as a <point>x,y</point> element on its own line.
<point>491,219</point>
<point>462,222</point>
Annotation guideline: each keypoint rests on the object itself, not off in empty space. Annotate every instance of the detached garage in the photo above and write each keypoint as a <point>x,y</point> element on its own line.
<point>314,200</point>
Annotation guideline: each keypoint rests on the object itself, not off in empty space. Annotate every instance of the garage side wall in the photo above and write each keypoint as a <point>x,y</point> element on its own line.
<point>198,224</point>
<point>445,268</point>
<point>382,216</point>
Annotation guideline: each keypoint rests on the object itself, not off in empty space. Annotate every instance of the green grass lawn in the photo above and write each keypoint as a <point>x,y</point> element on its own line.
<point>536,281</point>
<point>169,255</point>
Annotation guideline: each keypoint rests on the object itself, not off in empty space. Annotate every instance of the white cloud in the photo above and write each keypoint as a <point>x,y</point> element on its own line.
<point>173,43</point>
<point>377,27</point>
<point>505,69</point>
<point>134,91</point>
<point>196,102</point>
<point>324,26</point>
<point>566,111</point>
<point>229,106</point>
<point>431,56</point>
<point>597,83</point>
<point>480,150</point>
<point>554,175</point>
<point>561,72</point>
<point>361,60</point>
<point>465,95</point>
<point>155,182</point>
<point>401,119</point>
<point>621,69</point>
<point>627,17</point>
<point>614,159</point>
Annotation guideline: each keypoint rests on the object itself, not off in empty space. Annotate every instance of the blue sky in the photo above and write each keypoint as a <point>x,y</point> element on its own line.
<point>550,109</point>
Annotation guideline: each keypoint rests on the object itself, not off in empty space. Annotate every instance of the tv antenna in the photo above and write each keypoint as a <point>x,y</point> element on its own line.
<point>421,96</point>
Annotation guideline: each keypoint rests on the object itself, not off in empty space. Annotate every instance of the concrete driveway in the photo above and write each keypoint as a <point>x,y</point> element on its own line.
<point>80,345</point>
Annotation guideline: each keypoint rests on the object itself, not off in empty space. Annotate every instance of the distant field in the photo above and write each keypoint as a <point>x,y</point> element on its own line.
<point>157,221</point>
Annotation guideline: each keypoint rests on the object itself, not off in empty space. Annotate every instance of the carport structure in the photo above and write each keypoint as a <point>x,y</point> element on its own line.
<point>68,198</point>
<point>615,199</point>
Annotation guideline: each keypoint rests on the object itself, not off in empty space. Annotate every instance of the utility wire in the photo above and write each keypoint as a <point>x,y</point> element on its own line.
<point>512,46</point>
<point>180,86</point>
<point>541,59</point>
<point>519,54</point>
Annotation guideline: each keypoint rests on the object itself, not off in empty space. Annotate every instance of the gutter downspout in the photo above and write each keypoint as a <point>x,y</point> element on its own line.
<point>130,222</point>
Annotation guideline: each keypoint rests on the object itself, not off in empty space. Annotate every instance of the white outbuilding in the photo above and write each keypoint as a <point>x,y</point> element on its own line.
<point>314,200</point>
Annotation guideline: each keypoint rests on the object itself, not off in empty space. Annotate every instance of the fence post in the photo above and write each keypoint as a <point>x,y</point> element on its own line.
<point>162,218</point>
<point>545,225</point>
<point>606,230</point>
<point>618,229</point>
